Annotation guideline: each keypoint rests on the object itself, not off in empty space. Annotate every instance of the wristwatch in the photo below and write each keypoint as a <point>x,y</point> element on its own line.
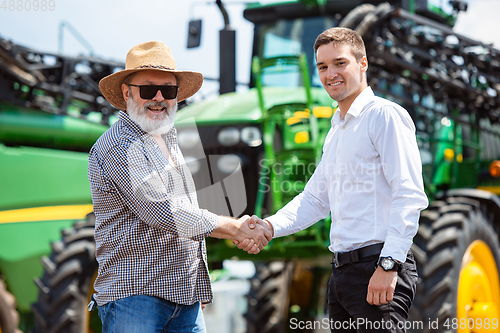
<point>388,264</point>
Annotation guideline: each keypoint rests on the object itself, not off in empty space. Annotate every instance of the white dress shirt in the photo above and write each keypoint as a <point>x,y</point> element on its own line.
<point>369,179</point>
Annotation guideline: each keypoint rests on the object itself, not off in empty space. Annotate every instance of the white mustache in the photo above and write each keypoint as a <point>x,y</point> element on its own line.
<point>157,104</point>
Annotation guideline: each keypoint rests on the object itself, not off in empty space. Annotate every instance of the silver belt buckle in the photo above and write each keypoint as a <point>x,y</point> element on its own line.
<point>336,259</point>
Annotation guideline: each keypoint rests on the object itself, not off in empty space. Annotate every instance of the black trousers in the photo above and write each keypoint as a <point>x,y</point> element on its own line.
<point>347,306</point>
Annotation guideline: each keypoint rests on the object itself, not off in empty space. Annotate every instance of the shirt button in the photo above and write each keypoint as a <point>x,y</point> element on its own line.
<point>338,200</point>
<point>336,241</point>
<point>343,127</point>
<point>338,223</point>
<point>338,175</point>
<point>338,151</point>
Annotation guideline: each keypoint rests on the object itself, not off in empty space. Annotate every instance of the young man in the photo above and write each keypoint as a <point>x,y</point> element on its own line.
<point>370,180</point>
<point>150,232</point>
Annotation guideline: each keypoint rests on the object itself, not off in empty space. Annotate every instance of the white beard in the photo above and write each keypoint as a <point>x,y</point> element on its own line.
<point>159,124</point>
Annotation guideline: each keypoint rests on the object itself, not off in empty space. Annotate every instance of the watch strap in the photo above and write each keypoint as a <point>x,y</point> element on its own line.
<point>396,265</point>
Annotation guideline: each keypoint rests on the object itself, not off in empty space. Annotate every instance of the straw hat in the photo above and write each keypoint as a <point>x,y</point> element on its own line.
<point>149,56</point>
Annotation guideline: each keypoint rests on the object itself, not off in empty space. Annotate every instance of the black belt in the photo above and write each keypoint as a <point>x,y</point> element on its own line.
<point>343,258</point>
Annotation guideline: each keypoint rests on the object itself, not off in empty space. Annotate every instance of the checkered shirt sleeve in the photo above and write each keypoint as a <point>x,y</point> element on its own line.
<point>149,229</point>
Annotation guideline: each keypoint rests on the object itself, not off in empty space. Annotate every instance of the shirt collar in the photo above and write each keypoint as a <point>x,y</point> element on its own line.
<point>123,116</point>
<point>365,97</point>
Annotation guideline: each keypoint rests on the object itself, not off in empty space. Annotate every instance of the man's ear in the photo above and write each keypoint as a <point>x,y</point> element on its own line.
<point>125,92</point>
<point>364,64</point>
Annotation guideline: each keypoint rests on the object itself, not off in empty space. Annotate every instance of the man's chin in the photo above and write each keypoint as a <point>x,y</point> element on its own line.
<point>150,121</point>
<point>156,116</point>
<point>153,126</point>
<point>164,128</point>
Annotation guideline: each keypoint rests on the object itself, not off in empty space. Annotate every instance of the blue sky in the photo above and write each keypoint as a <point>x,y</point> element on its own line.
<point>112,27</point>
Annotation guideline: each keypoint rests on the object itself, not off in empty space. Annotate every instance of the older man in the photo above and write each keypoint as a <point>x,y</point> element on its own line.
<point>150,232</point>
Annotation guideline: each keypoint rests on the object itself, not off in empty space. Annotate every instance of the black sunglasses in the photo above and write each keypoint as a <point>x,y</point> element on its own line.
<point>149,91</point>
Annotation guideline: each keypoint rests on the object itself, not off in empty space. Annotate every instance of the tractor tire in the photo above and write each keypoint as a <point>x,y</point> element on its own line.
<point>460,266</point>
<point>269,297</point>
<point>9,318</point>
<point>419,248</point>
<point>67,283</point>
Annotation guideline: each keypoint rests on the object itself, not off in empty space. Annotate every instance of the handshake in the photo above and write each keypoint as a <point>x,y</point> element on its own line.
<point>251,234</point>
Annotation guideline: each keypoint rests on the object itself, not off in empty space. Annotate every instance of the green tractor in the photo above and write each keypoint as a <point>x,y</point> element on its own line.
<point>51,113</point>
<point>266,140</point>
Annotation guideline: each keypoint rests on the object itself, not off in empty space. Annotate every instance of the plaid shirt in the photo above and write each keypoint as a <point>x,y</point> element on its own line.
<point>150,232</point>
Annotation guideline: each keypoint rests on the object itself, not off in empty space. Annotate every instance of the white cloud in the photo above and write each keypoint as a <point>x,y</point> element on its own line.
<point>481,22</point>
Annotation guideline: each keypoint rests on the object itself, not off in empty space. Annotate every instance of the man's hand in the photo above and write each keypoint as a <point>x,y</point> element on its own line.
<point>254,221</point>
<point>381,286</point>
<point>239,230</point>
<point>254,225</point>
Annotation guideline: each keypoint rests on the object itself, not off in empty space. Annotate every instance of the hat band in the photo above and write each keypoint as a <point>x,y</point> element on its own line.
<point>155,67</point>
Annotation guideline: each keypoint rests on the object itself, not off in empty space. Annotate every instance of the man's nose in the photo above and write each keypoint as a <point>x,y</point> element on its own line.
<point>331,73</point>
<point>158,97</point>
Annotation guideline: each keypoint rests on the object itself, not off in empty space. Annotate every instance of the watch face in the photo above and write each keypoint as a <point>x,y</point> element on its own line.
<point>387,264</point>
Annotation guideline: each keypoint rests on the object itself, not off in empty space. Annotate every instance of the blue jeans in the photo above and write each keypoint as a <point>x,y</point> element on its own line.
<point>149,314</point>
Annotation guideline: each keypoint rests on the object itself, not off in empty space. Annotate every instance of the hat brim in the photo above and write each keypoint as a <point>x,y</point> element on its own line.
<point>111,86</point>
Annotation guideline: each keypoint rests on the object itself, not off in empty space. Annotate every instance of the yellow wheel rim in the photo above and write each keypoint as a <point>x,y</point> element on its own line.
<point>87,314</point>
<point>478,297</point>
